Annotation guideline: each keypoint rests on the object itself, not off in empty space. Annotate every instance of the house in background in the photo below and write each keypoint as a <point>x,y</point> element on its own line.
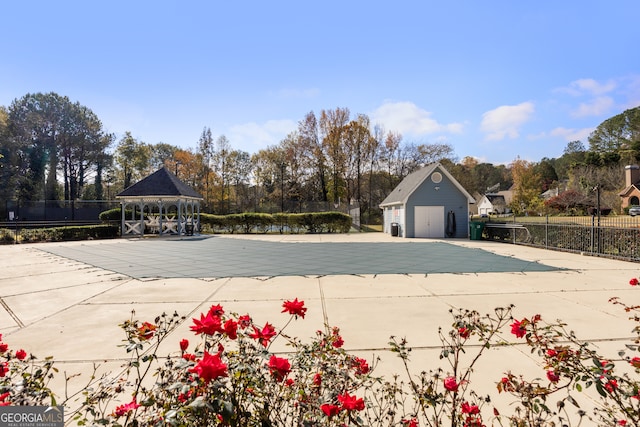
<point>495,204</point>
<point>631,193</point>
<point>428,203</point>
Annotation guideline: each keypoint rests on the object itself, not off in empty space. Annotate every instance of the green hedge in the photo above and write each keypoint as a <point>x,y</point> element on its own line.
<point>316,222</point>
<point>114,214</point>
<point>58,234</point>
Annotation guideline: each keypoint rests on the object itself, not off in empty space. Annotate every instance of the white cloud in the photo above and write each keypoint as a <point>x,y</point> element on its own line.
<point>407,118</point>
<point>589,87</point>
<point>572,134</point>
<point>252,136</point>
<point>595,107</point>
<point>506,120</point>
<point>597,103</point>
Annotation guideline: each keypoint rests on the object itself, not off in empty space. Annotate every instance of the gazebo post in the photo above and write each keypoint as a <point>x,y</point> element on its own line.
<point>160,204</point>
<point>141,206</point>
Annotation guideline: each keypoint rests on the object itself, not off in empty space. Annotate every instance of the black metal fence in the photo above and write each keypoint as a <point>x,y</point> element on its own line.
<point>54,210</point>
<point>613,237</point>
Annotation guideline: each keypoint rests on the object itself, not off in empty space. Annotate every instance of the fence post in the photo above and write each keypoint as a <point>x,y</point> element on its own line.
<point>546,233</point>
<point>593,225</point>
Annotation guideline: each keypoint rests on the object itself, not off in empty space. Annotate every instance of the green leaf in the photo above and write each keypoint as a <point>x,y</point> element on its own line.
<point>198,402</point>
<point>573,401</point>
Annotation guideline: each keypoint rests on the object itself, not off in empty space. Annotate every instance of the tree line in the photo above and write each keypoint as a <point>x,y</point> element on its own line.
<point>56,149</point>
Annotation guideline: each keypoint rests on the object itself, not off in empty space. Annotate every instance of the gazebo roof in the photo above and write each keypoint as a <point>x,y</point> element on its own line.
<point>161,183</point>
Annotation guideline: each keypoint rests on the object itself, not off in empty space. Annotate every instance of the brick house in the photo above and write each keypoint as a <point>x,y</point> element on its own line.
<point>631,193</point>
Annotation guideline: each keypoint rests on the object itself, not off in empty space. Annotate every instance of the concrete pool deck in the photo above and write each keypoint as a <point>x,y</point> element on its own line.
<point>66,299</point>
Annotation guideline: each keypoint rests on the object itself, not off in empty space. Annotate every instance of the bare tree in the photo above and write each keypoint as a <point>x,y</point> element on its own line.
<point>333,128</point>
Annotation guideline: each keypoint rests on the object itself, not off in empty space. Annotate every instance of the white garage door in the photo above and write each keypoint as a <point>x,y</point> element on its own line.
<point>429,221</point>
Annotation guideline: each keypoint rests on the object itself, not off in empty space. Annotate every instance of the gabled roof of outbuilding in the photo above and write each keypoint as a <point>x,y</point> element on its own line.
<point>496,198</point>
<point>401,193</point>
<point>160,183</point>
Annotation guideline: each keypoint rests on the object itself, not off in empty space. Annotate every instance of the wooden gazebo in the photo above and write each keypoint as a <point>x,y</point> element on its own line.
<point>160,204</point>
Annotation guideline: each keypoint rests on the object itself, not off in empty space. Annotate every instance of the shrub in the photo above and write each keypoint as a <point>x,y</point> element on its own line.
<point>317,222</point>
<point>81,232</point>
<point>114,214</point>
<point>212,223</point>
<point>7,235</point>
<point>230,376</point>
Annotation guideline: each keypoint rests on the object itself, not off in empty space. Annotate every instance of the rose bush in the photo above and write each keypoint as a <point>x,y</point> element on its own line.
<point>227,375</point>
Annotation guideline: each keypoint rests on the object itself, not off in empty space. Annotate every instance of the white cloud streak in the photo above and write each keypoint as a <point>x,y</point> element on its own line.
<point>253,136</point>
<point>596,107</point>
<point>572,134</point>
<point>506,120</point>
<point>589,87</point>
<point>408,119</point>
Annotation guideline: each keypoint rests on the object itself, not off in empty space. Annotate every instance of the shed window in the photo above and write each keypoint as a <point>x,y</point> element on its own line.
<point>436,177</point>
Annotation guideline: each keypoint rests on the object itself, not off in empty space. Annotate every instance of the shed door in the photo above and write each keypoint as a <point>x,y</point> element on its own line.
<point>429,221</point>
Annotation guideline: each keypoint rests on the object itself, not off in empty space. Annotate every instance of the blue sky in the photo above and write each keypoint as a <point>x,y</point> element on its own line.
<point>496,80</point>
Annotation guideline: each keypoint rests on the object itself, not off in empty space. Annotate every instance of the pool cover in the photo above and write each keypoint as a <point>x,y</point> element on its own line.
<point>215,257</point>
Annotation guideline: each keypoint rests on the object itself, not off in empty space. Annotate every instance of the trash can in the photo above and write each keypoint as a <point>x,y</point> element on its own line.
<point>394,229</point>
<point>475,230</point>
<point>188,229</point>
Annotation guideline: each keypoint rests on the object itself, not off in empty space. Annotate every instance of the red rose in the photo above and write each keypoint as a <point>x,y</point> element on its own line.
<point>279,367</point>
<point>210,368</point>
<point>635,362</point>
<point>126,408</point>
<point>330,410</point>
<point>231,329</point>
<point>3,347</point>
<point>337,341</point>
<point>518,329</point>
<point>451,384</point>
<point>473,422</point>
<point>207,325</point>
<point>611,385</point>
<point>552,376</point>
<point>216,310</point>
<point>360,365</point>
<point>264,335</point>
<point>4,368</point>
<point>634,282</point>
<point>317,379</point>
<point>464,332</point>
<point>184,344</point>
<point>21,354</point>
<point>244,321</point>
<point>470,409</point>
<point>410,423</point>
<point>295,308</point>
<point>351,403</point>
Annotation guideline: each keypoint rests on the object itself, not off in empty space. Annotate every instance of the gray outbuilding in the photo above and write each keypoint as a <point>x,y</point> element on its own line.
<point>428,203</point>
